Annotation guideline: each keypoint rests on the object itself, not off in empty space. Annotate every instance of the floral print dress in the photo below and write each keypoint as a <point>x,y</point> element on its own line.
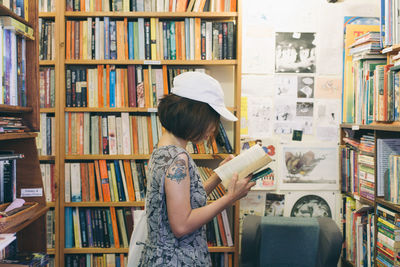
<point>162,248</point>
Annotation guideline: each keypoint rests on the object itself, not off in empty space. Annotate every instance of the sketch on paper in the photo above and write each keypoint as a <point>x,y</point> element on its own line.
<point>294,52</point>
<point>328,87</point>
<point>283,127</point>
<point>285,85</point>
<point>285,110</point>
<point>274,204</point>
<point>328,112</point>
<point>259,112</point>
<point>252,204</point>
<point>304,124</point>
<point>310,204</point>
<point>310,167</point>
<point>304,109</point>
<point>305,87</point>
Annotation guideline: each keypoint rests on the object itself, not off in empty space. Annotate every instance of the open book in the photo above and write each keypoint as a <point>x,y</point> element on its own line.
<point>247,162</point>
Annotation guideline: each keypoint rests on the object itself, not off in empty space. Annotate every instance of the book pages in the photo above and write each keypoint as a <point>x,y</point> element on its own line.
<point>243,164</point>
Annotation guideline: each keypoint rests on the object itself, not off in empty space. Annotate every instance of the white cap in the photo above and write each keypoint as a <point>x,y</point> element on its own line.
<point>204,88</point>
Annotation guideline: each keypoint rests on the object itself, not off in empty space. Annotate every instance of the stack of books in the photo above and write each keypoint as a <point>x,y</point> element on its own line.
<point>368,43</point>
<point>388,238</point>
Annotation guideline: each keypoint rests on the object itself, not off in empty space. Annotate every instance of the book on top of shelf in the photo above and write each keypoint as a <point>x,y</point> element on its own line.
<point>243,164</point>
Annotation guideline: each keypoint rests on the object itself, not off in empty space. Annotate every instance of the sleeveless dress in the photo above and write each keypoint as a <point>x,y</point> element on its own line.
<point>162,248</point>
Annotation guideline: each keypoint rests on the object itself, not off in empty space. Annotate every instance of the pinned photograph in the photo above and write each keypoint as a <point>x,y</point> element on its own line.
<point>274,204</point>
<point>295,52</point>
<point>305,87</point>
<point>307,167</point>
<point>304,109</point>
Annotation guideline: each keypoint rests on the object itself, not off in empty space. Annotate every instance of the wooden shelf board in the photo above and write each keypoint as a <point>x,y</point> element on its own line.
<point>47,110</point>
<point>137,156</point>
<point>388,204</point>
<point>379,126</point>
<point>41,211</point>
<point>109,157</point>
<point>14,109</point>
<point>49,158</point>
<point>47,14</point>
<point>95,250</point>
<point>221,249</point>
<point>172,15</point>
<point>51,204</point>
<point>148,62</point>
<point>105,204</point>
<point>7,136</point>
<point>126,109</point>
<point>47,62</point>
<point>4,11</point>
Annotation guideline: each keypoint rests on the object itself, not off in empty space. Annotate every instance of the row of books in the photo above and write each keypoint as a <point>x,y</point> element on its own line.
<point>392,180</point>
<point>368,43</point>
<point>224,259</point>
<point>149,39</point>
<point>48,179</point>
<point>358,166</point>
<point>12,68</point>
<point>47,5</point>
<point>8,245</point>
<point>219,231</point>
<point>98,227</point>
<point>389,22</point>
<point>110,86</point>
<point>50,229</point>
<point>384,148</point>
<point>47,87</point>
<point>101,180</point>
<point>19,7</point>
<point>121,134</point>
<point>219,191</point>
<point>47,44</point>
<point>388,237</point>
<point>94,260</point>
<point>46,139</point>
<point>152,5</point>
<point>359,233</point>
<point>12,125</point>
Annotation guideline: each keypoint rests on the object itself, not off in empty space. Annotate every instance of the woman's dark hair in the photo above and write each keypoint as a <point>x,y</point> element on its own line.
<point>186,118</point>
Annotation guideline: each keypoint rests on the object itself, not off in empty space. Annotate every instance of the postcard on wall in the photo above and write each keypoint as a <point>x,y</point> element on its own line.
<point>295,52</point>
<point>252,204</point>
<point>259,116</point>
<point>285,85</point>
<point>270,145</point>
<point>285,109</point>
<point>310,204</point>
<point>274,204</point>
<point>309,168</point>
<point>328,87</point>
<point>305,88</point>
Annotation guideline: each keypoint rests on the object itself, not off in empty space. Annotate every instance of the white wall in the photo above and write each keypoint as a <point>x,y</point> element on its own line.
<point>262,19</point>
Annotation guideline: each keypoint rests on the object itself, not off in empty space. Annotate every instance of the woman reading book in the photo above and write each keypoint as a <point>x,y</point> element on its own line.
<point>176,200</point>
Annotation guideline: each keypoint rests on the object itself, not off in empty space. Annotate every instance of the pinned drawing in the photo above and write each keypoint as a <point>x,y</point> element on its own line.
<point>305,87</point>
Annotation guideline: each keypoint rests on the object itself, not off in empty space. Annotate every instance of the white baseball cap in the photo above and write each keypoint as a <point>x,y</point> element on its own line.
<point>204,88</point>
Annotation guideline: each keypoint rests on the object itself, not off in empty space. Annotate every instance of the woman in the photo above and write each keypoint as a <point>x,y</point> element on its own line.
<point>176,198</point>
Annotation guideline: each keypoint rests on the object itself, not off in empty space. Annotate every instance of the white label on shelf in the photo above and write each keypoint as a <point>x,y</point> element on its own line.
<point>152,110</point>
<point>387,50</point>
<point>31,192</point>
<point>355,127</point>
<point>152,62</point>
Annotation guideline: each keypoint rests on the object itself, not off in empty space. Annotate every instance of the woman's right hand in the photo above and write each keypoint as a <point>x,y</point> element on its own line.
<point>238,189</point>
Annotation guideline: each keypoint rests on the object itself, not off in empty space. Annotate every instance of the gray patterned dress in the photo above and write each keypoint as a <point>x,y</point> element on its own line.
<point>162,247</point>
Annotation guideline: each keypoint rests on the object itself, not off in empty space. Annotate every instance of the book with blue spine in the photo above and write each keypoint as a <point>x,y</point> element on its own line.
<point>130,41</point>
<point>106,38</point>
<point>120,186</point>
<point>69,233</point>
<point>112,86</point>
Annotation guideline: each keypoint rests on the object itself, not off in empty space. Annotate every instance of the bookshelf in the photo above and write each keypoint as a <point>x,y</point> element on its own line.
<point>364,156</point>
<point>28,175</point>
<point>63,159</point>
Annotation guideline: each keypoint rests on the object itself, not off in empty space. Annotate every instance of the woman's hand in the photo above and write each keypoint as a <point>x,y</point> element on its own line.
<point>238,189</point>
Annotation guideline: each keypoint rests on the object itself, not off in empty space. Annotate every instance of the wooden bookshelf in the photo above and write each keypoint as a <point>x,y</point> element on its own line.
<point>4,11</point>
<point>150,62</point>
<point>47,15</point>
<point>61,158</point>
<point>165,15</point>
